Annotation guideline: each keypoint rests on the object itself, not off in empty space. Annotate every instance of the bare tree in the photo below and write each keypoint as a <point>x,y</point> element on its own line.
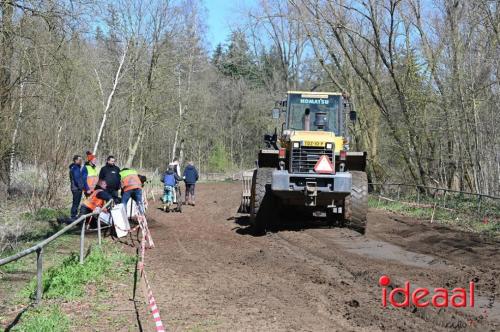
<point>106,102</point>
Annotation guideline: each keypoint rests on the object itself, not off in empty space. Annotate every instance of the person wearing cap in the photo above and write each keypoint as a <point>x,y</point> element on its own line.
<point>90,174</point>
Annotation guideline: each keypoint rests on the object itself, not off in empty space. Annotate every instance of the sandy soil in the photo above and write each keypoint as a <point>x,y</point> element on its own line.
<point>210,273</point>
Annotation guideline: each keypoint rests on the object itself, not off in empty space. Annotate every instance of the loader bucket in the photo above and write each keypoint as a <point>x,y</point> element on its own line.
<point>246,192</point>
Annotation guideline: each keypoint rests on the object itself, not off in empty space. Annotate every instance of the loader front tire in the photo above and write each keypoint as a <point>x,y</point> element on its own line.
<point>261,199</point>
<point>356,204</point>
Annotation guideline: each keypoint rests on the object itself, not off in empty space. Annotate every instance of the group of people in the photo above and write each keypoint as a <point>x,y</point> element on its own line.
<point>171,178</point>
<point>103,186</point>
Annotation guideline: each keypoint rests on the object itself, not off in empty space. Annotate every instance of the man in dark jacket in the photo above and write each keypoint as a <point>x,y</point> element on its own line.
<point>111,174</point>
<point>190,177</point>
<point>76,180</point>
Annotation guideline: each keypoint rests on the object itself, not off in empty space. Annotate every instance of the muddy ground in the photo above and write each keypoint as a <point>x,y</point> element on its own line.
<point>210,273</point>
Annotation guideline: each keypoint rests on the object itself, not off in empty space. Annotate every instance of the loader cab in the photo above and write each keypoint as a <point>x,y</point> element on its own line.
<point>314,111</point>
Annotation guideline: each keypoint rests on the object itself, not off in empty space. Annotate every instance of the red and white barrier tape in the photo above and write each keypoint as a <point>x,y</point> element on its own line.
<point>146,236</point>
<point>145,230</point>
<point>153,307</point>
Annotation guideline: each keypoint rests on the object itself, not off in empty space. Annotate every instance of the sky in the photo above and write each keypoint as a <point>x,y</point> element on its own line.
<point>222,16</point>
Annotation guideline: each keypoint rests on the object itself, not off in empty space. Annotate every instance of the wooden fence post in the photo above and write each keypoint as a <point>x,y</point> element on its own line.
<point>39,283</point>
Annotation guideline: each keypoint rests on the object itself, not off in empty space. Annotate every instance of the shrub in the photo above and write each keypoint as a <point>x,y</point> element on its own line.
<point>219,160</point>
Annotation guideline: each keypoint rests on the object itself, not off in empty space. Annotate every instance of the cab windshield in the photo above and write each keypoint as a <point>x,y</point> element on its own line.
<point>314,112</point>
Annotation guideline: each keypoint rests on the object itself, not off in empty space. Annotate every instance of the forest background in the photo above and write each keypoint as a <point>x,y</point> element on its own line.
<point>138,79</point>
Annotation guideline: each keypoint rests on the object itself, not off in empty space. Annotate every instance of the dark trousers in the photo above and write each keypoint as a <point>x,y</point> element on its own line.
<point>114,194</point>
<point>190,190</point>
<point>84,210</point>
<point>136,195</point>
<point>92,221</point>
<point>77,197</point>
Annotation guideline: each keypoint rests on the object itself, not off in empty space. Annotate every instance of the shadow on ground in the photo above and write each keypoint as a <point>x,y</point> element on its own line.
<point>17,318</point>
<point>295,223</point>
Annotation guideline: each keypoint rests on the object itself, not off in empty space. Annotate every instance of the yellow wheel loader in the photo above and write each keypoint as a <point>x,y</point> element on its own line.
<point>308,164</point>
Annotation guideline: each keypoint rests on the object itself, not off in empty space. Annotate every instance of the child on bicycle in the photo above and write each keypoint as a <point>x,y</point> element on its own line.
<point>170,180</point>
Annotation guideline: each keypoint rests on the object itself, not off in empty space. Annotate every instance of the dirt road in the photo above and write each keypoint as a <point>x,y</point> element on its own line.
<point>210,273</point>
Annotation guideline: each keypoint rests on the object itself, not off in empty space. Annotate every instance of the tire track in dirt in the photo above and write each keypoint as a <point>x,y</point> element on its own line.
<point>209,273</point>
<point>364,291</point>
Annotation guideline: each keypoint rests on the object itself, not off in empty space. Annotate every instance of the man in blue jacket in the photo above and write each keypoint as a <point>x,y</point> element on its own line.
<point>76,180</point>
<point>190,177</point>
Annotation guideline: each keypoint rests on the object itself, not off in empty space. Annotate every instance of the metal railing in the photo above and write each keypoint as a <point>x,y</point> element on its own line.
<point>38,248</point>
<point>448,199</point>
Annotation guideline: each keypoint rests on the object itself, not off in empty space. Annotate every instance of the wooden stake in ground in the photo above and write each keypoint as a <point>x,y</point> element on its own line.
<point>433,211</point>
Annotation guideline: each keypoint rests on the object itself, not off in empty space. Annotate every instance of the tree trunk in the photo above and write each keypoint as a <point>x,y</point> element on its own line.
<point>107,106</point>
<point>133,148</point>
<point>12,152</point>
<point>179,120</point>
<point>6,54</point>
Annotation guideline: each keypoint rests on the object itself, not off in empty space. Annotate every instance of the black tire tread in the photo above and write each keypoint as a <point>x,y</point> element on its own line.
<point>356,204</point>
<point>261,198</point>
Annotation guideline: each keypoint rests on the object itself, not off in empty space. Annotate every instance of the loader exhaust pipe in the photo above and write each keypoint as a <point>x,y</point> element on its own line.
<point>321,120</point>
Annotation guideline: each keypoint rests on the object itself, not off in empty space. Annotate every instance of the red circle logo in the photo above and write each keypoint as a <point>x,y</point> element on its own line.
<point>384,281</point>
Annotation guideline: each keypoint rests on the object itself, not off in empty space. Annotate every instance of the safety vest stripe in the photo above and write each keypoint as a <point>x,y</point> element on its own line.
<point>92,171</point>
<point>92,181</point>
<point>92,202</point>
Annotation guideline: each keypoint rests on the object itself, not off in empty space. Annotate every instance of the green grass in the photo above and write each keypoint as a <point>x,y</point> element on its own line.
<point>16,266</point>
<point>470,222</point>
<point>44,319</point>
<point>64,279</point>
<point>45,214</point>
<point>68,281</point>
<point>23,228</point>
<point>417,212</point>
<point>50,256</point>
<point>43,222</point>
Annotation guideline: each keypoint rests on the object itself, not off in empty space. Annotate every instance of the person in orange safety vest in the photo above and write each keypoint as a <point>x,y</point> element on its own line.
<point>97,199</point>
<point>90,174</point>
<point>131,183</point>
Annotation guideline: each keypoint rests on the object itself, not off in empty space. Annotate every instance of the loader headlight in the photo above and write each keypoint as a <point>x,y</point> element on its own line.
<point>296,145</point>
<point>329,146</point>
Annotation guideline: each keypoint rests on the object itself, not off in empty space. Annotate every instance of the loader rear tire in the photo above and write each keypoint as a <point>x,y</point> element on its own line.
<point>356,204</point>
<point>261,199</point>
